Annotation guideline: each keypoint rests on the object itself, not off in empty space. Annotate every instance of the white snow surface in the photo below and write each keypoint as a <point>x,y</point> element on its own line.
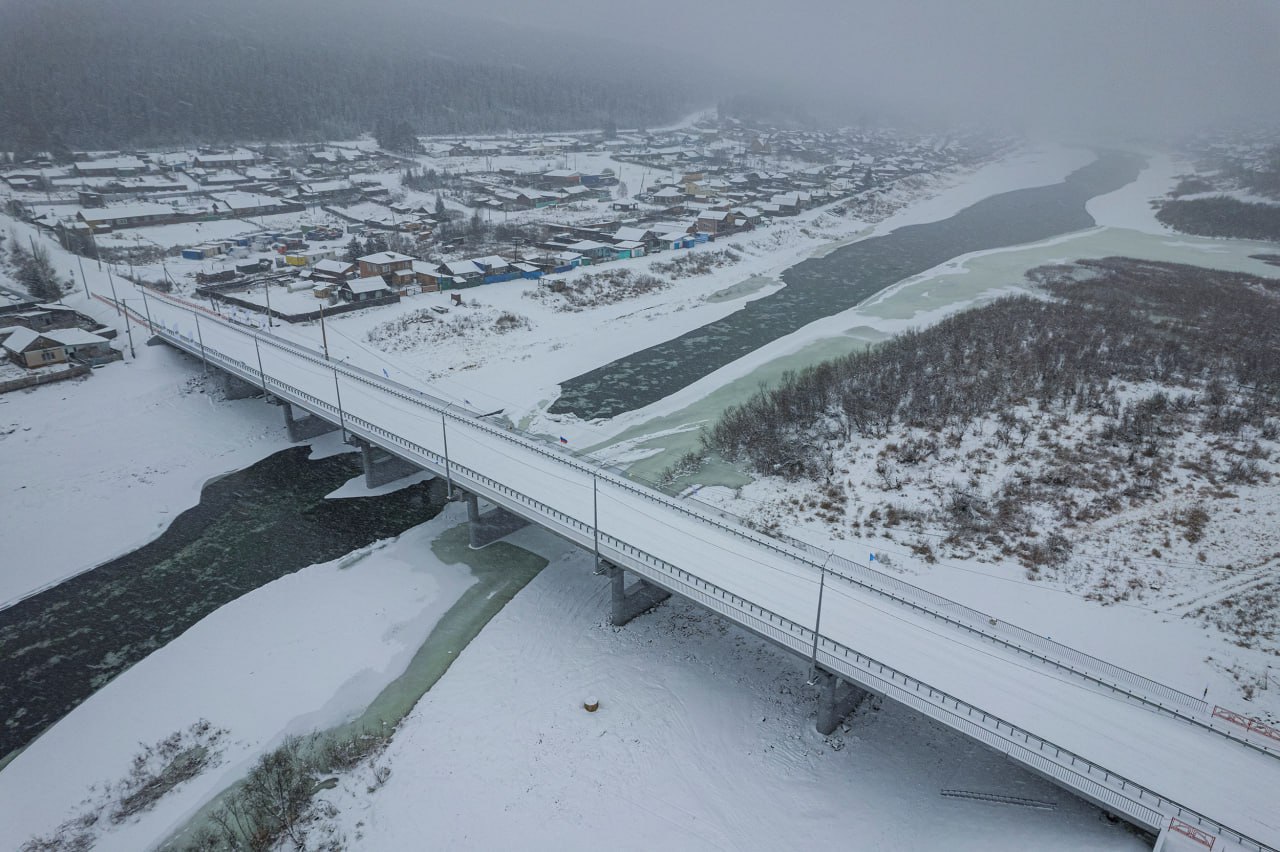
<point>115,458</point>
<point>305,652</point>
<point>704,740</point>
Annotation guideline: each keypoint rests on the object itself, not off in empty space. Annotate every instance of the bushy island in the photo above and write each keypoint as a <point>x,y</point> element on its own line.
<point>1222,216</point>
<point>1116,430</point>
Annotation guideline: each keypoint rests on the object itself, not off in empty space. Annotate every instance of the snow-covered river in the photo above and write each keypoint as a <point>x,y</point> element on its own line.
<point>250,527</point>
<point>827,285</point>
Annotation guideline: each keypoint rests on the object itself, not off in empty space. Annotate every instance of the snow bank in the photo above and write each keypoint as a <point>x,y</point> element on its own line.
<point>105,463</point>
<point>704,740</point>
<point>307,651</point>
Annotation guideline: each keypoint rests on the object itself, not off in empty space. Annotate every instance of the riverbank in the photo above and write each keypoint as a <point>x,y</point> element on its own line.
<point>96,468</point>
<point>309,651</point>
<point>704,739</point>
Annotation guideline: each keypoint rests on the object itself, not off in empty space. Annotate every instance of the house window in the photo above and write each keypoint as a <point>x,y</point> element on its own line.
<point>47,355</point>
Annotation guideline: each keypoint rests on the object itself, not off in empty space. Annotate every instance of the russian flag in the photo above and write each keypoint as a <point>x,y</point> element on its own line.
<point>563,439</point>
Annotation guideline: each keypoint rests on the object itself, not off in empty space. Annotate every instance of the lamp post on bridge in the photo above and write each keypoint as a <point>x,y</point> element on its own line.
<point>817,621</point>
<point>448,472</point>
<point>200,336</point>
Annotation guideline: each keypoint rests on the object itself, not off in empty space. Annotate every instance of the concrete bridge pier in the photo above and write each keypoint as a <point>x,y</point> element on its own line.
<point>234,387</point>
<point>307,426</point>
<point>490,526</point>
<point>381,467</point>
<point>626,602</point>
<point>836,700</point>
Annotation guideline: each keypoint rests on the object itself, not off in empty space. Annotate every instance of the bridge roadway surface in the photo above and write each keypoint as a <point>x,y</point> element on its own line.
<point>1137,748</point>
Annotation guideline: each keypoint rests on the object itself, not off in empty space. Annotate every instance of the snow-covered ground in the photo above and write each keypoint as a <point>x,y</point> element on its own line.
<point>702,740</point>
<point>305,652</point>
<point>103,464</point>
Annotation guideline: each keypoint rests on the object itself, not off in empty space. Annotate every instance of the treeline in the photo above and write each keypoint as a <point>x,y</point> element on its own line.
<point>85,74</point>
<point>1109,319</point>
<point>1222,217</point>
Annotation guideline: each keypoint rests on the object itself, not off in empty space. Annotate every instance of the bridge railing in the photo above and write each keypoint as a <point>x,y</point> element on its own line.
<point>1116,678</point>
<point>1116,791</point>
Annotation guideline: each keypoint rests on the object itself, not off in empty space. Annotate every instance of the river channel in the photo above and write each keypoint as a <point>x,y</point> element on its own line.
<point>822,286</point>
<point>250,527</point>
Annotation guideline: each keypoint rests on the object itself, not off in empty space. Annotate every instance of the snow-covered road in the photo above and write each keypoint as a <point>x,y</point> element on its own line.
<point>1146,764</point>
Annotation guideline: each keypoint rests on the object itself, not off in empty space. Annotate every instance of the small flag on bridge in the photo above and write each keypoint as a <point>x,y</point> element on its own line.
<point>563,439</point>
<point>872,558</point>
<point>385,373</point>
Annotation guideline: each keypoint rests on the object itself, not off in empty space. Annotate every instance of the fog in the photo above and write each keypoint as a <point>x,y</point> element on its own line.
<point>1072,67</point>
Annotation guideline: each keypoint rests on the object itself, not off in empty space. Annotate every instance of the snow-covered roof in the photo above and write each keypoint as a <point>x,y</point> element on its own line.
<point>630,233</point>
<point>20,340</point>
<point>491,261</point>
<point>421,267</point>
<point>461,267</point>
<point>73,336</point>
<point>112,163</point>
<point>367,285</point>
<point>125,211</point>
<point>385,257</point>
<point>339,267</point>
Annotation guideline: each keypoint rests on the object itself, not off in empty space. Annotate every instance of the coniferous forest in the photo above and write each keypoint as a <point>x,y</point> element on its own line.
<point>110,74</point>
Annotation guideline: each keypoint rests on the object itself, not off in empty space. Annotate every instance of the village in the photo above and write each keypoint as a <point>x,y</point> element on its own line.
<point>269,232</point>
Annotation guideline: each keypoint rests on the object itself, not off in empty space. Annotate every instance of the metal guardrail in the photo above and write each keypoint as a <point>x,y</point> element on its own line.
<point>1146,691</point>
<point>1136,801</point>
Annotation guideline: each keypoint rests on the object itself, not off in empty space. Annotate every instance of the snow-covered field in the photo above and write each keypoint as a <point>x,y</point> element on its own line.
<point>101,465</point>
<point>305,652</point>
<point>704,738</point>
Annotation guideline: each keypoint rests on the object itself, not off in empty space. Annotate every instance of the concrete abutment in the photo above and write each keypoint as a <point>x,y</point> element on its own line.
<point>836,700</point>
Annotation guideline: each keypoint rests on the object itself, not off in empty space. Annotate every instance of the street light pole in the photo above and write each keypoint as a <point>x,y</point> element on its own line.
<point>448,473</point>
<point>324,337</point>
<point>266,289</point>
<point>595,515</point>
<point>342,420</point>
<point>262,374</point>
<point>817,621</point>
<point>200,336</point>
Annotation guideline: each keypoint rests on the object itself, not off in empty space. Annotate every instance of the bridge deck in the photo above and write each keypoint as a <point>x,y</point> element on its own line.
<point>1142,762</point>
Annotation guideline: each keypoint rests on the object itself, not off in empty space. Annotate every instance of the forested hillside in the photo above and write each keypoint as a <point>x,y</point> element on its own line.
<point>90,74</point>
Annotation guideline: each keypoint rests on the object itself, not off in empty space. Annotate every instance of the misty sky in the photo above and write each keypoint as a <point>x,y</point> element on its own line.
<point>1071,67</point>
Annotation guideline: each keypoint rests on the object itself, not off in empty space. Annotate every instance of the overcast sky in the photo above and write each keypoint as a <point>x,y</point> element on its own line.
<point>1084,67</point>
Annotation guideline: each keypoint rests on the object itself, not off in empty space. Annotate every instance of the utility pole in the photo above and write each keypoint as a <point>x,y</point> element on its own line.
<point>595,514</point>
<point>83,279</point>
<point>112,281</point>
<point>128,330</point>
<point>817,621</point>
<point>151,327</point>
<point>342,420</point>
<point>324,337</point>
<point>266,288</point>
<point>448,473</point>
<point>200,337</point>
<point>262,374</point>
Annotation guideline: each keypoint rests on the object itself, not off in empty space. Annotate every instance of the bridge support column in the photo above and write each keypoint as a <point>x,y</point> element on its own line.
<point>836,700</point>
<point>490,526</point>
<point>308,426</point>
<point>627,603</point>
<point>381,467</point>
<point>233,387</point>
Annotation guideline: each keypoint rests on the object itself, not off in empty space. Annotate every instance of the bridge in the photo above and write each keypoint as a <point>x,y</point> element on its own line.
<point>1141,750</point>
